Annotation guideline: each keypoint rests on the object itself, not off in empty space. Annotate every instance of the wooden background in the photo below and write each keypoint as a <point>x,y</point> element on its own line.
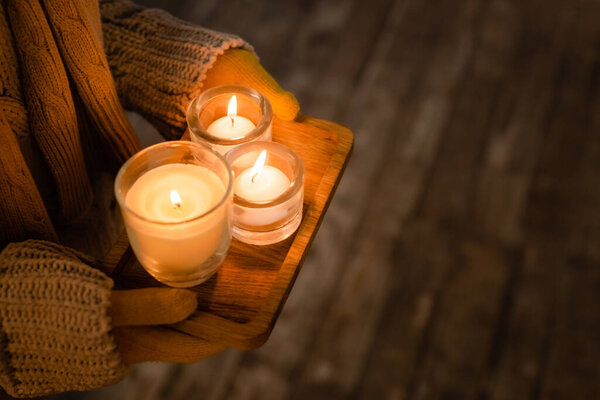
<point>460,256</point>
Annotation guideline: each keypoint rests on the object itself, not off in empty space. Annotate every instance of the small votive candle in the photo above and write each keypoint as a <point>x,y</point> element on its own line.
<point>268,192</point>
<point>226,116</point>
<point>176,201</point>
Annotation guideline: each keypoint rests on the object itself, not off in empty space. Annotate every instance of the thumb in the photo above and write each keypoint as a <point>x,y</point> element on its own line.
<point>241,67</point>
<point>151,306</point>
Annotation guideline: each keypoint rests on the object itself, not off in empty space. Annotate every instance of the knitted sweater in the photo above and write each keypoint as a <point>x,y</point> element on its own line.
<point>67,68</point>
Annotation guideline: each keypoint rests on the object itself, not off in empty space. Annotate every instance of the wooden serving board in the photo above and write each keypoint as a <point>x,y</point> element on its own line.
<point>239,305</point>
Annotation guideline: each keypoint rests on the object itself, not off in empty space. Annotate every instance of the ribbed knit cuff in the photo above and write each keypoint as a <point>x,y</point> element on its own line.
<point>54,331</point>
<point>159,61</point>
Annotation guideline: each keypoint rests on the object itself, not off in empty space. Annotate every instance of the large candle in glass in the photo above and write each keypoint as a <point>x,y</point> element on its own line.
<point>176,200</point>
<point>226,116</point>
<point>268,192</point>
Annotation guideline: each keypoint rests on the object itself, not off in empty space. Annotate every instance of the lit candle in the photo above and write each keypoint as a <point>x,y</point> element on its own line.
<point>232,126</point>
<point>228,116</point>
<point>173,194</point>
<point>269,192</point>
<point>177,215</point>
<point>261,183</point>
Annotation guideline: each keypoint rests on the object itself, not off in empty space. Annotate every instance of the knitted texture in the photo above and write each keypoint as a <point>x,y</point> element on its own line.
<point>23,214</point>
<point>11,101</point>
<point>83,54</point>
<point>54,332</point>
<point>158,61</point>
<point>13,107</point>
<point>52,116</point>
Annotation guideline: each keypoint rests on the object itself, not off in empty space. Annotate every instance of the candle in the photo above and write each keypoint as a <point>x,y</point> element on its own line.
<point>261,183</point>
<point>232,126</point>
<point>175,193</point>
<point>269,192</point>
<point>225,117</point>
<point>177,215</point>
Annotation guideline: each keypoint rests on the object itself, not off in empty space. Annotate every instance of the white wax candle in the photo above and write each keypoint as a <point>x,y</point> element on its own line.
<point>265,185</point>
<point>168,246</point>
<point>231,127</point>
<point>197,188</point>
<point>261,183</point>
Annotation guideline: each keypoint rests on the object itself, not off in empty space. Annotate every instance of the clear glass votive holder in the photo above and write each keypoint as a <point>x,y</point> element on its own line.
<point>265,221</point>
<point>176,201</point>
<point>253,115</point>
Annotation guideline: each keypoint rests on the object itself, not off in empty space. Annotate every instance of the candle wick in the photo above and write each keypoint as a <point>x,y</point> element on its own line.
<point>178,207</point>
<point>254,177</point>
<point>231,121</point>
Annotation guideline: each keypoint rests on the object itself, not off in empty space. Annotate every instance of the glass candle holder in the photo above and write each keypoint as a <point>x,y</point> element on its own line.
<point>230,115</point>
<point>268,192</point>
<point>176,201</point>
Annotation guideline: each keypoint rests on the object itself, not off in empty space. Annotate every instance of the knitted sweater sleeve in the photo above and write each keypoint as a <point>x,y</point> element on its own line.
<point>158,61</point>
<point>54,330</point>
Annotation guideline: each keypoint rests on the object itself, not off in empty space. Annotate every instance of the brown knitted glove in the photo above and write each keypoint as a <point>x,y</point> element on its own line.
<point>54,332</point>
<point>135,315</point>
<point>158,61</point>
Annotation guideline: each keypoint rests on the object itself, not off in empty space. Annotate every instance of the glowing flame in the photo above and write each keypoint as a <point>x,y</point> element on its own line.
<point>258,165</point>
<point>232,107</point>
<point>175,199</point>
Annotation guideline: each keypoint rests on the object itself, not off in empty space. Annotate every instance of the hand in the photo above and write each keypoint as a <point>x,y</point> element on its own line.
<point>136,318</point>
<point>241,67</point>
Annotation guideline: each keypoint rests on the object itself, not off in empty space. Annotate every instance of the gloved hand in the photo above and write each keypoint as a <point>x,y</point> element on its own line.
<point>136,315</point>
<point>241,67</point>
<point>57,313</point>
<point>64,276</point>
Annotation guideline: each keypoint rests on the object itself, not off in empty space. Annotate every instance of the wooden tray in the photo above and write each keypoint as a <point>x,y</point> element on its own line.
<point>239,305</point>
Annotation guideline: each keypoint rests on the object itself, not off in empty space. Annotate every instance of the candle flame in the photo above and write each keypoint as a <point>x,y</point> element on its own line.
<point>258,165</point>
<point>175,199</point>
<point>232,108</point>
